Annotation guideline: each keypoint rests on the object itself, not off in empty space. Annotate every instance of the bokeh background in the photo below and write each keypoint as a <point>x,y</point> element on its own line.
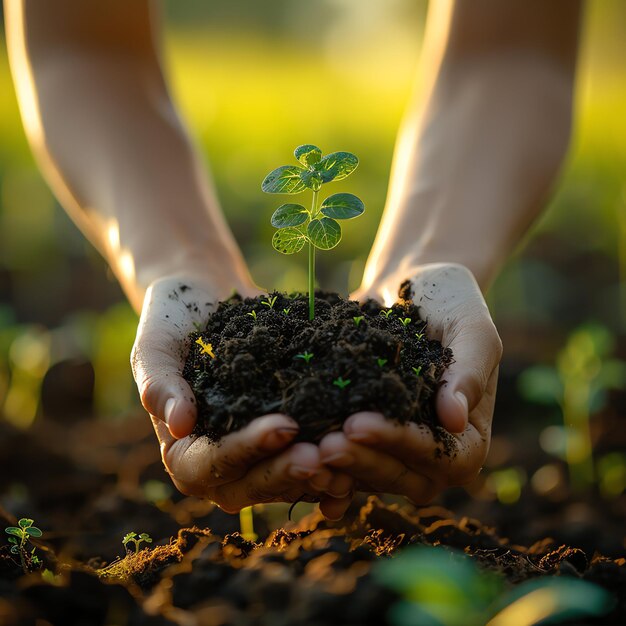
<point>254,80</point>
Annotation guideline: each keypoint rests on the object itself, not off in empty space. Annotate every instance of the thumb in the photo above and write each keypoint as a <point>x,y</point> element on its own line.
<point>476,352</point>
<point>157,364</point>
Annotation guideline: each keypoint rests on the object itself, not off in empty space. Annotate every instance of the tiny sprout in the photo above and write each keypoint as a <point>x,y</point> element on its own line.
<point>386,312</point>
<point>270,302</point>
<point>206,348</point>
<point>197,326</point>
<point>24,531</point>
<point>417,370</point>
<point>136,539</point>
<point>358,319</point>
<point>253,314</point>
<point>305,356</point>
<point>419,336</point>
<point>341,383</point>
<point>286,311</point>
<point>381,362</point>
<point>405,321</point>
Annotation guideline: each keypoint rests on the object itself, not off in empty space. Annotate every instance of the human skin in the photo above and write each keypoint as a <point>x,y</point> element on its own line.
<point>474,162</point>
<point>475,159</point>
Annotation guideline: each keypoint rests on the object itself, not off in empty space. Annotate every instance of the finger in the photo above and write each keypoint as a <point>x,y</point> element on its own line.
<point>198,463</point>
<point>334,509</point>
<point>381,472</point>
<point>333,484</point>
<point>157,358</point>
<point>283,478</point>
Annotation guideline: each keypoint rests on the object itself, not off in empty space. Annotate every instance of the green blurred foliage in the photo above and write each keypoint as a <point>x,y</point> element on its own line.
<point>253,80</point>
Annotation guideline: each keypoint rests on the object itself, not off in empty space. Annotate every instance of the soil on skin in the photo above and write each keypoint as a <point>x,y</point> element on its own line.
<point>391,367</point>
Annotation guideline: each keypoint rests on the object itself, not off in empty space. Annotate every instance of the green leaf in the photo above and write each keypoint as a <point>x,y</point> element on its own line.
<point>540,384</point>
<point>25,522</point>
<point>336,166</point>
<point>342,206</point>
<point>312,179</point>
<point>285,179</point>
<point>289,215</point>
<point>13,530</point>
<point>12,540</point>
<point>288,240</point>
<point>325,233</point>
<point>33,531</point>
<point>308,154</point>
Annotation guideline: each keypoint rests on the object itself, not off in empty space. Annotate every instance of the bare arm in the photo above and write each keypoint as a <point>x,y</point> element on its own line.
<point>102,125</point>
<point>480,147</point>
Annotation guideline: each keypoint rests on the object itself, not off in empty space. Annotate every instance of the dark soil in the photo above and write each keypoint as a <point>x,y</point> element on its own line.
<point>391,367</point>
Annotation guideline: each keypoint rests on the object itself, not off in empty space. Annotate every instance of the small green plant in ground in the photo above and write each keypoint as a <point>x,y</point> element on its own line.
<point>270,302</point>
<point>417,370</point>
<point>252,314</point>
<point>305,356</point>
<point>386,312</point>
<point>286,311</point>
<point>317,226</point>
<point>358,319</point>
<point>381,362</point>
<point>405,321</point>
<point>136,539</point>
<point>439,586</point>
<point>419,336</point>
<point>19,537</point>
<point>341,383</point>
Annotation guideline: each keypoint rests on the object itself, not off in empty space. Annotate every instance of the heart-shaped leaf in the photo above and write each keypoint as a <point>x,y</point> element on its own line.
<point>285,179</point>
<point>289,215</point>
<point>336,166</point>
<point>33,531</point>
<point>325,233</point>
<point>25,522</point>
<point>342,206</point>
<point>288,240</point>
<point>308,154</point>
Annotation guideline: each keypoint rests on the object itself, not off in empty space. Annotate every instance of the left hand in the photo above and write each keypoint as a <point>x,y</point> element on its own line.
<point>385,456</point>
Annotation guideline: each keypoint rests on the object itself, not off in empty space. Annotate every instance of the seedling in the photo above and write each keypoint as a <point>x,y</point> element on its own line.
<point>136,539</point>
<point>419,336</point>
<point>317,226</point>
<point>18,538</point>
<point>341,383</point>
<point>386,312</point>
<point>286,311</point>
<point>270,302</point>
<point>253,315</point>
<point>205,348</point>
<point>305,356</point>
<point>358,319</point>
<point>381,362</point>
<point>417,370</point>
<point>405,321</point>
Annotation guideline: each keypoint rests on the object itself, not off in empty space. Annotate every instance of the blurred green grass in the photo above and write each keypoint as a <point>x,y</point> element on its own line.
<point>250,95</point>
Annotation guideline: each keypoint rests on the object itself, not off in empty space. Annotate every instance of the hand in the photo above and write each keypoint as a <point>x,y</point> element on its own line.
<point>255,464</point>
<point>385,456</point>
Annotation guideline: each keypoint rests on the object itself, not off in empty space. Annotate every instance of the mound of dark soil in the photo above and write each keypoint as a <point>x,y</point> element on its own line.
<point>364,357</point>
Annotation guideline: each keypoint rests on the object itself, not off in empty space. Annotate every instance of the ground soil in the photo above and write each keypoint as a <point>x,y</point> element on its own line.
<point>257,368</point>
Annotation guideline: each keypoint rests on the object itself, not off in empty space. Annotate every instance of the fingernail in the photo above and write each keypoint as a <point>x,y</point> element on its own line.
<point>341,458</point>
<point>460,396</point>
<point>338,496</point>
<point>363,437</point>
<point>321,482</point>
<point>279,437</point>
<point>299,472</point>
<point>169,409</point>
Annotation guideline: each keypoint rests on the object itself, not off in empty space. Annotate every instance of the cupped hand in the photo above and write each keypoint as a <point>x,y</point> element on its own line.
<point>408,459</point>
<point>253,465</point>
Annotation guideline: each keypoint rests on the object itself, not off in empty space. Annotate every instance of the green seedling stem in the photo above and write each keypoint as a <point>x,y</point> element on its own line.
<point>18,538</point>
<point>246,524</point>
<point>358,319</point>
<point>136,539</point>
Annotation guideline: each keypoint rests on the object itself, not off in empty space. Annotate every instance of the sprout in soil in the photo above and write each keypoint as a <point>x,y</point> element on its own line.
<point>286,311</point>
<point>317,226</point>
<point>206,348</point>
<point>305,356</point>
<point>405,321</point>
<point>386,312</point>
<point>419,336</point>
<point>358,319</point>
<point>270,302</point>
<point>381,362</point>
<point>18,538</point>
<point>341,383</point>
<point>417,370</point>
<point>253,315</point>
<point>136,539</point>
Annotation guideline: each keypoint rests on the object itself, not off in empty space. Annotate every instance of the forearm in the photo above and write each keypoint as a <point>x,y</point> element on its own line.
<point>112,147</point>
<point>474,163</point>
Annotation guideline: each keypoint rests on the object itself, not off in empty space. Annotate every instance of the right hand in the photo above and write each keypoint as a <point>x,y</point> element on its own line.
<point>253,465</point>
